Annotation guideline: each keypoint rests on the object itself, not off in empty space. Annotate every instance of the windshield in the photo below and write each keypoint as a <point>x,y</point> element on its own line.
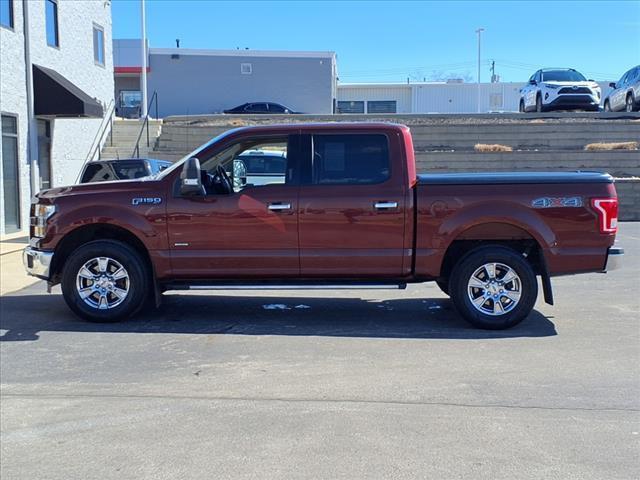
<point>194,153</point>
<point>562,76</point>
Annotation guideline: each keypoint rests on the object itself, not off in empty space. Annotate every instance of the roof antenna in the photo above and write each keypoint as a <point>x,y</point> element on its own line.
<point>177,43</point>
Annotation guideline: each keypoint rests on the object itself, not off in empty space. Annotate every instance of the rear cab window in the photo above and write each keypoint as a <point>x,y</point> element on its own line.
<point>350,159</point>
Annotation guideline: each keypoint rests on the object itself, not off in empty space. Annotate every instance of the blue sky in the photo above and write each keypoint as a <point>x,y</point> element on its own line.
<point>388,41</point>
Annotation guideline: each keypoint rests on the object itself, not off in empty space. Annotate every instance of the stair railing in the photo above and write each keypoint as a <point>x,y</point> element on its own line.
<point>106,126</point>
<point>145,125</point>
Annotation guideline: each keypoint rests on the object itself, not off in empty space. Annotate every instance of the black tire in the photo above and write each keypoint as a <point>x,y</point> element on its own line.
<point>138,282</point>
<point>539,107</point>
<point>521,108</point>
<point>474,260</point>
<point>607,106</point>
<point>629,104</point>
<point>443,284</point>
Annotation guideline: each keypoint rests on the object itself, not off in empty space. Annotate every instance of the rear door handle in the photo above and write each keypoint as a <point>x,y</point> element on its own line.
<point>277,206</point>
<point>385,205</point>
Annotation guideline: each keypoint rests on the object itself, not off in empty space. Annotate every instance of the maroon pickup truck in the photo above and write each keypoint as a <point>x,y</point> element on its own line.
<point>340,207</point>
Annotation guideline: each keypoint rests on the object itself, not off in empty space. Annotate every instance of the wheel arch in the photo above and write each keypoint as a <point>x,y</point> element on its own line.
<point>504,234</point>
<point>88,233</point>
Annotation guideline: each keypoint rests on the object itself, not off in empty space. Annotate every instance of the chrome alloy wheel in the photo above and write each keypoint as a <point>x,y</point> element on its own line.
<point>102,283</point>
<point>494,289</point>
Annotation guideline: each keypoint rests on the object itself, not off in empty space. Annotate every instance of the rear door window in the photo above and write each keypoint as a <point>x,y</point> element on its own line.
<point>257,107</point>
<point>350,159</point>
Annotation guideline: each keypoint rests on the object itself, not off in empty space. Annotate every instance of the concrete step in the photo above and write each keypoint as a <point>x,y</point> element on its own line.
<point>617,163</point>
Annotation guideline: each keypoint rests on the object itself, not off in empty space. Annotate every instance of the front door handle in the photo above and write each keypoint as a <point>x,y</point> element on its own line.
<point>385,205</point>
<point>275,207</point>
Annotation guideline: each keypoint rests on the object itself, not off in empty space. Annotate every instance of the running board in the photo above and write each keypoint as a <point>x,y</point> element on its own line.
<point>355,286</point>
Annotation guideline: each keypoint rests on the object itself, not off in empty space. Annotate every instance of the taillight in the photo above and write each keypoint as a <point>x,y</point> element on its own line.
<point>607,209</point>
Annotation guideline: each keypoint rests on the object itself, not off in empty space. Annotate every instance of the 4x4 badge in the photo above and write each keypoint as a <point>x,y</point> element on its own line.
<point>555,202</point>
<point>146,200</point>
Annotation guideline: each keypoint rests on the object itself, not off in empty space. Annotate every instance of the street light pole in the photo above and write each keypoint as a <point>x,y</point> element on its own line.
<point>143,72</point>
<point>479,32</point>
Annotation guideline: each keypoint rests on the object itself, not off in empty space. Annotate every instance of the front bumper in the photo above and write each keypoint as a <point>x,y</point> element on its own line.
<point>614,259</point>
<point>37,263</point>
<point>567,101</point>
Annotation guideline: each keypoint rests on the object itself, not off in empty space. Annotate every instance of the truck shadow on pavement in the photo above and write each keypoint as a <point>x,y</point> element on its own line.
<point>23,317</point>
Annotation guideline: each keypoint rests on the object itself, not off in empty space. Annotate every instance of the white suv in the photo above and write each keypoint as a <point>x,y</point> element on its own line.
<point>559,89</point>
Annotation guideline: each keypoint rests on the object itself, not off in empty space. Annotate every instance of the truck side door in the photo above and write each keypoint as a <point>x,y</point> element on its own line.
<point>251,231</point>
<point>352,205</point>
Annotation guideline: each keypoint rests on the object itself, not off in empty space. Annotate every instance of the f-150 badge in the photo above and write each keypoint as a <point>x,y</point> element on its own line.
<point>556,202</point>
<point>146,201</point>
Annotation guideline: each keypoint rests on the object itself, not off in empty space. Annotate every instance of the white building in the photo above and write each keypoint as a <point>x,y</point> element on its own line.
<point>432,97</point>
<point>199,81</point>
<point>56,96</point>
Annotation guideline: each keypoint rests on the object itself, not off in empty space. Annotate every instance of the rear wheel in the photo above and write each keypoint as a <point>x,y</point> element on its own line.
<point>105,281</point>
<point>493,287</point>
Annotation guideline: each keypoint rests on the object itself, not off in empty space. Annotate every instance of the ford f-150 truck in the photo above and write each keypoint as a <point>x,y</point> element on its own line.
<point>348,211</point>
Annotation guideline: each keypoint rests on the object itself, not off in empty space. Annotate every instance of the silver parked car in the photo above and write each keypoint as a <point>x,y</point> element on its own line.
<point>626,92</point>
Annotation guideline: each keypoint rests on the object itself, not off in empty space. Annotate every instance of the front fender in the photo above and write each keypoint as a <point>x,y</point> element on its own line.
<point>147,223</point>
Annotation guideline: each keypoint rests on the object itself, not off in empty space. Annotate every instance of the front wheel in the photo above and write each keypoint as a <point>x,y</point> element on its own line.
<point>539,104</point>
<point>521,108</point>
<point>105,281</point>
<point>493,287</point>
<point>607,106</point>
<point>629,103</point>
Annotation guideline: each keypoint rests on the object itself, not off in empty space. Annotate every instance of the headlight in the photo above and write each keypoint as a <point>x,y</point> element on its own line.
<point>552,86</point>
<point>39,217</point>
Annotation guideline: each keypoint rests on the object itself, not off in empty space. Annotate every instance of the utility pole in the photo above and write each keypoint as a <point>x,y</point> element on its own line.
<point>143,72</point>
<point>479,32</point>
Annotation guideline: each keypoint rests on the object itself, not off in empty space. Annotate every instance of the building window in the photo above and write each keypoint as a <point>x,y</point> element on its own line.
<point>44,153</point>
<point>381,106</point>
<point>350,107</point>
<point>98,44</point>
<point>6,13</point>
<point>51,13</point>
<point>246,68</point>
<point>10,174</point>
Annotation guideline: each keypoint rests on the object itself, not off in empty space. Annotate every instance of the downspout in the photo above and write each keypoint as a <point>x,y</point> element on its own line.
<point>32,128</point>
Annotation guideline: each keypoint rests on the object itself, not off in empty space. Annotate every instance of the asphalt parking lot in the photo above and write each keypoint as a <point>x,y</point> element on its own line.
<point>352,384</point>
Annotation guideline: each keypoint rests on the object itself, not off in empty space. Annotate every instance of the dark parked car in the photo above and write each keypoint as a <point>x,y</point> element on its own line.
<point>126,169</point>
<point>626,92</point>
<point>259,108</point>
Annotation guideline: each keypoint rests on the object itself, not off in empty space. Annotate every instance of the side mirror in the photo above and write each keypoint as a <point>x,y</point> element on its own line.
<point>532,82</point>
<point>239,174</point>
<point>190,180</point>
<point>612,84</point>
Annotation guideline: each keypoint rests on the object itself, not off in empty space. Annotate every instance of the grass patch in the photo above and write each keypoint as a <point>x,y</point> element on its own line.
<point>602,146</point>
<point>496,147</point>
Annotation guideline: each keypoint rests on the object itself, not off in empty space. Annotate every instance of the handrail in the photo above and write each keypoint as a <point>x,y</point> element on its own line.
<point>97,139</point>
<point>145,125</point>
